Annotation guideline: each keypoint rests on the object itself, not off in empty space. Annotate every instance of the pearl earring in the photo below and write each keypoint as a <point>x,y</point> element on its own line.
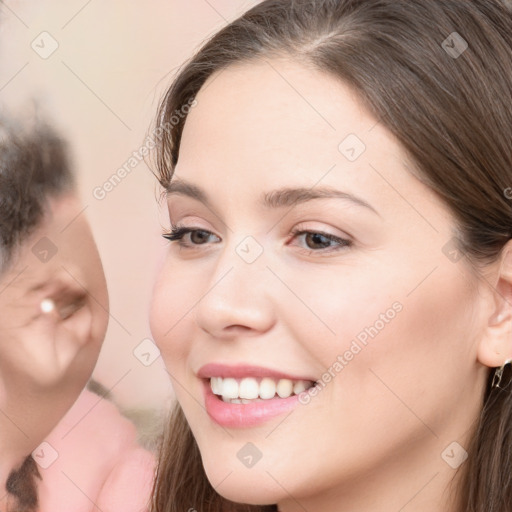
<point>47,305</point>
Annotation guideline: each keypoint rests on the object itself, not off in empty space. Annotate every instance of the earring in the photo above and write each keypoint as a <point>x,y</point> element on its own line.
<point>498,374</point>
<point>47,305</point>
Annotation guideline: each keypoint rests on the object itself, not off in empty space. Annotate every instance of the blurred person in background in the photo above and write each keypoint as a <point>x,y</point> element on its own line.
<point>53,319</point>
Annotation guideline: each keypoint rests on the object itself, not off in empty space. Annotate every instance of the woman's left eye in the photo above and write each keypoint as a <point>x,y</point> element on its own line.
<point>316,241</point>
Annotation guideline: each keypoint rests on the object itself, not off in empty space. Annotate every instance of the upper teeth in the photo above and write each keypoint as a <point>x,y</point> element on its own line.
<point>250,388</point>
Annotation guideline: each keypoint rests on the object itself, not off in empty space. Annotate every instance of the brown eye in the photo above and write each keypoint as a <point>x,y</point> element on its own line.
<point>197,236</point>
<point>317,241</point>
<point>320,242</point>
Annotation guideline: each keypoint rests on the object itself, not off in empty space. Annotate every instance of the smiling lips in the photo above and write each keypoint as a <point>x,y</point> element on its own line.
<point>245,396</point>
<point>251,389</point>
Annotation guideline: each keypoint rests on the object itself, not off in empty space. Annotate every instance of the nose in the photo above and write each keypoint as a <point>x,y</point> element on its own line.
<point>237,300</point>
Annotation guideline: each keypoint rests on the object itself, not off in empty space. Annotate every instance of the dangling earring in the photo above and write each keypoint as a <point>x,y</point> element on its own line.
<point>498,374</point>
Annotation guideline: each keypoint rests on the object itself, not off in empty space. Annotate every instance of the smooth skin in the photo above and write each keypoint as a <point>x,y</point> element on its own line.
<point>373,438</point>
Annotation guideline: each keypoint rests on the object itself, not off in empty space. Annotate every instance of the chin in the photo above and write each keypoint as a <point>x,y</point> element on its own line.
<point>247,486</point>
<point>248,494</point>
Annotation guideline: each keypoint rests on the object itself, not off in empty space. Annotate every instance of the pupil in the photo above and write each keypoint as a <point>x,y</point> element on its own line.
<point>199,234</point>
<point>317,238</point>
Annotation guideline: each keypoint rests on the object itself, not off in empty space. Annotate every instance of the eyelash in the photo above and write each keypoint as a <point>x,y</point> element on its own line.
<point>178,232</point>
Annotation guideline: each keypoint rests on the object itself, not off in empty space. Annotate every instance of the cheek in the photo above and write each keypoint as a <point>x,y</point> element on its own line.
<point>415,356</point>
<point>173,298</point>
<point>339,310</point>
<point>382,335</point>
<point>430,351</point>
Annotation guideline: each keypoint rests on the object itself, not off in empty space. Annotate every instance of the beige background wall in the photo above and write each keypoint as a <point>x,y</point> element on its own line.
<point>101,85</point>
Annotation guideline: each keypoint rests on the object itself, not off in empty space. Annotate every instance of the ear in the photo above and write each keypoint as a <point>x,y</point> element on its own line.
<point>496,343</point>
<point>59,329</point>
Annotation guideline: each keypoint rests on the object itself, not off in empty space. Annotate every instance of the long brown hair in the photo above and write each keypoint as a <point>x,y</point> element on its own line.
<point>438,75</point>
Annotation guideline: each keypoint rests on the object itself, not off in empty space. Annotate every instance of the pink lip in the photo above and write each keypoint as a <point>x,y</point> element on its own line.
<point>244,415</point>
<point>244,370</point>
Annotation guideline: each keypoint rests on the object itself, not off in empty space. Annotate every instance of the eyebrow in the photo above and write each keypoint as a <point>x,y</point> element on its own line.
<point>280,198</point>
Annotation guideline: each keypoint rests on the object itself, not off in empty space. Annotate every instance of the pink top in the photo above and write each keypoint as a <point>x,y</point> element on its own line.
<point>97,462</point>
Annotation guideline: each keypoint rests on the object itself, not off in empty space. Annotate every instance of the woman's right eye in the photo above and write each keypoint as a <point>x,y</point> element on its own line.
<point>197,236</point>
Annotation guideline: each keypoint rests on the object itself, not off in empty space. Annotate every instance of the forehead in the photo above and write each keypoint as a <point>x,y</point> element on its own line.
<point>269,106</point>
<point>269,124</point>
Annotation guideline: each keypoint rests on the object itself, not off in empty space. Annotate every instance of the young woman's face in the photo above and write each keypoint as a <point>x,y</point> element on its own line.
<point>359,288</point>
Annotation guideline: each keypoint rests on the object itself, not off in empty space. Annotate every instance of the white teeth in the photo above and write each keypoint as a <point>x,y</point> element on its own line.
<point>229,388</point>
<point>248,389</point>
<point>267,388</point>
<point>299,387</point>
<point>284,388</point>
<point>216,384</point>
